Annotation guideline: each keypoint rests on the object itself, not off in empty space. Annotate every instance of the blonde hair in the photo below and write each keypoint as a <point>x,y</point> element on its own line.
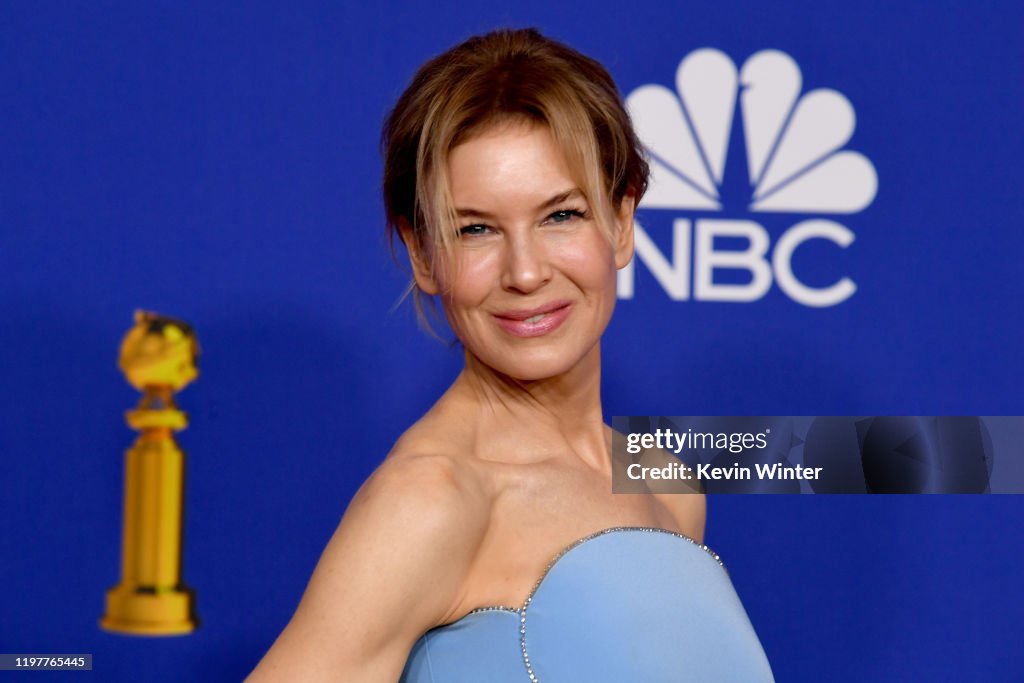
<point>491,79</point>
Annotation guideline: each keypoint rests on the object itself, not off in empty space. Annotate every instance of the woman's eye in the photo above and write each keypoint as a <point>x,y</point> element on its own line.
<point>473,230</point>
<point>565,215</point>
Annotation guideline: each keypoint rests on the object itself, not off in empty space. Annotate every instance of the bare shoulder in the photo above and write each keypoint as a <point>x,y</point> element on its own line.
<point>421,488</point>
<point>689,510</point>
<point>686,504</point>
<point>393,569</point>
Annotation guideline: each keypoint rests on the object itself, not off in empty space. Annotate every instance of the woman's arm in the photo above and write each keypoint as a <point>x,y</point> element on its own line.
<point>393,569</point>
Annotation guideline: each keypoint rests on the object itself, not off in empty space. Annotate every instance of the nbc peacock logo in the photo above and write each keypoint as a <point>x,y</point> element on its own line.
<point>792,147</point>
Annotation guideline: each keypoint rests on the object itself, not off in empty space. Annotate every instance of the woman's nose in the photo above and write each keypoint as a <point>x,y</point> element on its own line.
<point>527,267</point>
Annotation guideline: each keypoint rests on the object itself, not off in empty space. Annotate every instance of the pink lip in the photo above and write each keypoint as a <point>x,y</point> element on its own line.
<point>514,322</point>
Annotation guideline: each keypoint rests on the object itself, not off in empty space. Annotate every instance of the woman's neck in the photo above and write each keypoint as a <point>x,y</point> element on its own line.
<point>537,417</point>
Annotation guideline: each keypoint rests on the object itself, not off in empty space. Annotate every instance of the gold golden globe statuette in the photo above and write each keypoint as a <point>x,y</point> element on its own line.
<point>158,357</point>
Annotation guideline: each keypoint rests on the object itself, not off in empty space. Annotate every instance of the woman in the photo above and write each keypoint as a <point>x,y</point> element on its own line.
<point>511,176</point>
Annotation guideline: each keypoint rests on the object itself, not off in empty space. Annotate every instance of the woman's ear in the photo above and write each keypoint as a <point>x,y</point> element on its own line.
<point>624,236</point>
<point>417,259</point>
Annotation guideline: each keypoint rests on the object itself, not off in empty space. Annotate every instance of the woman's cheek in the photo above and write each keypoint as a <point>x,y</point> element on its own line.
<point>477,274</point>
<point>588,262</point>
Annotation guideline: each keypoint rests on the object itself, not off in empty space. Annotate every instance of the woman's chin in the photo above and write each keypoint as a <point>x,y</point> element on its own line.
<point>531,367</point>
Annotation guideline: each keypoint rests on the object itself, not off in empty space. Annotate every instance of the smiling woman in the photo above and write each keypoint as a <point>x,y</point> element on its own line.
<point>532,283</point>
<point>488,545</point>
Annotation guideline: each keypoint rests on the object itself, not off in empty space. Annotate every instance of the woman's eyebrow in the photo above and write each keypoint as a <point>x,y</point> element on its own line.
<point>557,199</point>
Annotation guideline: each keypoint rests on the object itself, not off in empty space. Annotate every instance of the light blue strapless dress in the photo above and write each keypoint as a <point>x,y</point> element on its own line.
<point>632,604</point>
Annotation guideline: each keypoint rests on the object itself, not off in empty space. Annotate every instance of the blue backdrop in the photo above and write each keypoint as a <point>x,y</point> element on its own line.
<point>219,163</point>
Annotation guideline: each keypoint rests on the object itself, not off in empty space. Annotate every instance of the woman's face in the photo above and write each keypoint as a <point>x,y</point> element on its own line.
<point>535,282</point>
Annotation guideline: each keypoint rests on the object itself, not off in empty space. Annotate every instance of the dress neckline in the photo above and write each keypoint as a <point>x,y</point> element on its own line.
<point>572,546</point>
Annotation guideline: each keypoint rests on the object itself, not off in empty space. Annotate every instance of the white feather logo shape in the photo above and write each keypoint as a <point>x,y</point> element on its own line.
<point>793,144</point>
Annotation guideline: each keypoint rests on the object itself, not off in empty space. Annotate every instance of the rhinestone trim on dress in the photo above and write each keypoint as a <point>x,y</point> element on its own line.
<point>493,608</point>
<point>526,604</point>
